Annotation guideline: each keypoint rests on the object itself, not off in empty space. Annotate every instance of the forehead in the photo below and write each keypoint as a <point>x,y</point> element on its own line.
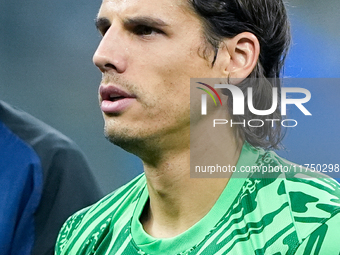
<point>170,10</point>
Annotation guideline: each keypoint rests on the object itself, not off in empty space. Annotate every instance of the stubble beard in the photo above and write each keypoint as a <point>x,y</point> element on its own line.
<point>141,145</point>
<point>125,137</point>
<point>144,142</point>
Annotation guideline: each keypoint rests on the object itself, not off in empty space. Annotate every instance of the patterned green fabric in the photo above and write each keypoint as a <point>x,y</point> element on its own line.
<point>284,214</point>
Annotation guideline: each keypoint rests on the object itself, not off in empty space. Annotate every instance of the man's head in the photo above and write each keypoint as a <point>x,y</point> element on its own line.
<point>151,48</point>
<point>268,21</point>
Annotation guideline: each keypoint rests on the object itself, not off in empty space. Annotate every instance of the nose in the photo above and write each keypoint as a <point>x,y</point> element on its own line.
<point>110,54</point>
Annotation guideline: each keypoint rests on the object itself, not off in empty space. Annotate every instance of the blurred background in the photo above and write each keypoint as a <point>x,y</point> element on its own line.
<point>46,69</point>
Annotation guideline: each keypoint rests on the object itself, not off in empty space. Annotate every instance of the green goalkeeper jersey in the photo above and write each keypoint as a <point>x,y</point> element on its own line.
<point>287,213</point>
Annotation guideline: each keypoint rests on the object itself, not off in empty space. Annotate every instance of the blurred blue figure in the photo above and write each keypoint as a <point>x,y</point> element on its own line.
<point>44,178</point>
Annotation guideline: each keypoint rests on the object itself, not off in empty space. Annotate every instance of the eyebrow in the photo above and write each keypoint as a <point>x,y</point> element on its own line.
<point>146,21</point>
<point>102,23</point>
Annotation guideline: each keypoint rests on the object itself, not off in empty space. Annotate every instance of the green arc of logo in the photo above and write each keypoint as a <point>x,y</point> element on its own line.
<point>209,94</point>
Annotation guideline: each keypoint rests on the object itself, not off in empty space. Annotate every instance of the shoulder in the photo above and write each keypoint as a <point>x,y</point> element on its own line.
<point>95,222</point>
<point>32,130</point>
<point>68,228</point>
<point>302,200</point>
<point>57,154</point>
<point>314,203</point>
<point>60,165</point>
<point>315,208</point>
<point>313,197</point>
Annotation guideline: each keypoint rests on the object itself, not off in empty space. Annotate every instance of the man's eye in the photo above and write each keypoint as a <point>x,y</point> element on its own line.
<point>145,30</point>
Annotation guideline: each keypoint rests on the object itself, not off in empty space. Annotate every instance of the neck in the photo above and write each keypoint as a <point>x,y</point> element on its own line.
<point>177,201</point>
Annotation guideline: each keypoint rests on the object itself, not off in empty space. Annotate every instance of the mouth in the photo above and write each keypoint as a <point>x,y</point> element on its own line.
<point>114,100</point>
<point>113,93</point>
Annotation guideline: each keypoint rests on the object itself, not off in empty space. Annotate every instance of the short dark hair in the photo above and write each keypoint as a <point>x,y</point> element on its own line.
<point>268,21</point>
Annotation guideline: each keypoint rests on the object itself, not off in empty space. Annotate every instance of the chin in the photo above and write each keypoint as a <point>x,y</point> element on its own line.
<point>141,146</point>
<point>118,137</point>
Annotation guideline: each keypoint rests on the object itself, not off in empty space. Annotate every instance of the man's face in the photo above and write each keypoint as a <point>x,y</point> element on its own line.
<point>149,51</point>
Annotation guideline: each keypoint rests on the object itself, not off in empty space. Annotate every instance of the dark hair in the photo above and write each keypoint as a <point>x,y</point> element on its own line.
<point>267,20</point>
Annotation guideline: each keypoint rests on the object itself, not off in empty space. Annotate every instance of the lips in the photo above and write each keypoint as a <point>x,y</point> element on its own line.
<point>114,100</point>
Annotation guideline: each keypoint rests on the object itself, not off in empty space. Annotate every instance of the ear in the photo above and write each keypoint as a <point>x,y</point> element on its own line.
<point>241,54</point>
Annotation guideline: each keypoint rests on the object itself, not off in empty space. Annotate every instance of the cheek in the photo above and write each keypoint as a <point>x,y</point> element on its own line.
<point>172,104</point>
